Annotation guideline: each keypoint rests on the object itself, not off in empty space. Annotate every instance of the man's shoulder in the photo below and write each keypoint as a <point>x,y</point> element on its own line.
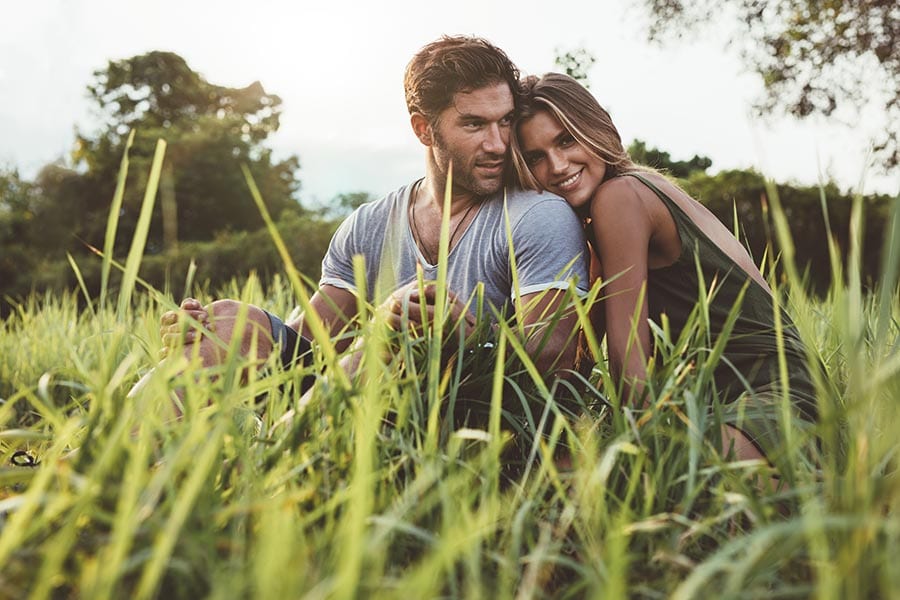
<point>529,197</point>
<point>532,204</point>
<point>521,201</point>
<point>382,207</point>
<point>390,199</point>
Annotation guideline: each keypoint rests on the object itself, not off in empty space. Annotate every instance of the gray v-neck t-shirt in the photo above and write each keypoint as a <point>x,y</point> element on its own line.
<point>547,237</point>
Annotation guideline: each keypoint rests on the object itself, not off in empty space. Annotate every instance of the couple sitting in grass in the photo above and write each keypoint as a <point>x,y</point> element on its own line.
<point>543,201</point>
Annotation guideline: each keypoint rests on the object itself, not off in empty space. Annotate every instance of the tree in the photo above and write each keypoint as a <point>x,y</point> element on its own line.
<point>814,56</point>
<point>210,129</point>
<point>659,159</point>
<point>17,258</point>
<point>16,194</point>
<point>576,63</point>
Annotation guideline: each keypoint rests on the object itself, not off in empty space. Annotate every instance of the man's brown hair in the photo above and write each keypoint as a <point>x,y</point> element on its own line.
<point>450,65</point>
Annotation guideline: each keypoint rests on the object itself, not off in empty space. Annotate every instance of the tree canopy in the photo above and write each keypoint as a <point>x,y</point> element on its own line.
<point>813,56</point>
<point>210,129</point>
<point>576,63</point>
<point>159,90</point>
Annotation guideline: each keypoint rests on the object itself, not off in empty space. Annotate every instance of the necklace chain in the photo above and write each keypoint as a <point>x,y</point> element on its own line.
<point>427,255</point>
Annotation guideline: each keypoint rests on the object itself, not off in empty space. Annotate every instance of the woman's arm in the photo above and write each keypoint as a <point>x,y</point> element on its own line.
<point>623,228</point>
<point>598,309</point>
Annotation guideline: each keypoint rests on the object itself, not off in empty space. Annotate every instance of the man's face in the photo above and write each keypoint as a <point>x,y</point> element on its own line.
<point>473,133</point>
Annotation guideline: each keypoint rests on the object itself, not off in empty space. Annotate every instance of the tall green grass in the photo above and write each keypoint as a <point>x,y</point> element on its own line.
<point>380,488</point>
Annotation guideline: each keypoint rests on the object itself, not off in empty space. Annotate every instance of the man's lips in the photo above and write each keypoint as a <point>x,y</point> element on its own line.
<point>492,166</point>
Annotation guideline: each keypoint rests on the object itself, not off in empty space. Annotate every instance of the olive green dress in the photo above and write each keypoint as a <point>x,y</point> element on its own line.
<point>747,377</point>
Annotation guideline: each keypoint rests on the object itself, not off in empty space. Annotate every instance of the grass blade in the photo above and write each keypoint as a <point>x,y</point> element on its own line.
<point>133,262</point>
<point>112,222</point>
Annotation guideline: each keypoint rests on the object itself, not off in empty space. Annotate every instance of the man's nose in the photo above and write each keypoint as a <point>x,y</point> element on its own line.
<point>496,139</point>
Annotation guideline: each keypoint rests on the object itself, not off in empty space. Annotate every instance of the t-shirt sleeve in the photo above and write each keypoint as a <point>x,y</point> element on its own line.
<point>549,249</point>
<point>337,266</point>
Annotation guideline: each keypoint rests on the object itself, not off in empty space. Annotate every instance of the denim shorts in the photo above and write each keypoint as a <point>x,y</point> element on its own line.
<point>294,347</point>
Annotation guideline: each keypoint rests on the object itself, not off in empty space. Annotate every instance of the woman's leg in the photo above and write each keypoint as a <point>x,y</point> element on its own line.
<point>738,445</point>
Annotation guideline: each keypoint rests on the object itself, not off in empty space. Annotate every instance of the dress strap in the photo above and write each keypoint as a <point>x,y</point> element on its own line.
<point>684,224</point>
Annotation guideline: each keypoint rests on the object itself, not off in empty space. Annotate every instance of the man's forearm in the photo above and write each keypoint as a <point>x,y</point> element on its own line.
<point>554,348</point>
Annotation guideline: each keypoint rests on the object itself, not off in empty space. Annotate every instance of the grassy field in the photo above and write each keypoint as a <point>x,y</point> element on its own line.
<point>381,490</point>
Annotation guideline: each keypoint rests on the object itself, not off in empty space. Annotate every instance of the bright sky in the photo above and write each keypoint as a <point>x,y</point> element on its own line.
<point>338,68</point>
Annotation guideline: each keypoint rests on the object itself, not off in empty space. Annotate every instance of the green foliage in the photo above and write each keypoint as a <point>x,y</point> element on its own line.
<point>210,130</point>
<point>15,193</point>
<point>661,160</point>
<point>746,193</point>
<point>16,230</point>
<point>232,255</point>
<point>159,89</point>
<point>218,261</point>
<point>812,56</point>
<point>576,63</point>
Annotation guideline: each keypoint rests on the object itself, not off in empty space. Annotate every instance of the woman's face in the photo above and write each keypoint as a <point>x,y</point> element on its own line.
<point>558,161</point>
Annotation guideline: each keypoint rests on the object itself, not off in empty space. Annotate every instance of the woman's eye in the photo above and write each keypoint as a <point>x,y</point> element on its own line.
<point>566,141</point>
<point>533,159</point>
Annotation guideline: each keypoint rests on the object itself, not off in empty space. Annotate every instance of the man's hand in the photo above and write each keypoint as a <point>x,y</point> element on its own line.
<point>173,328</point>
<point>420,309</point>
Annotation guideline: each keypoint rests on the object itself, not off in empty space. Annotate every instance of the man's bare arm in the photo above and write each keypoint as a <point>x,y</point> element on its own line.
<point>336,307</point>
<point>551,327</point>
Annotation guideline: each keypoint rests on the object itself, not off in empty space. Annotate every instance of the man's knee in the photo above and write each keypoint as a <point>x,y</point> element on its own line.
<point>225,315</point>
<point>226,308</point>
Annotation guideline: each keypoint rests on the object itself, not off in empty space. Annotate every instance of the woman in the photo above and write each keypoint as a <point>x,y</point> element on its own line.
<point>648,237</point>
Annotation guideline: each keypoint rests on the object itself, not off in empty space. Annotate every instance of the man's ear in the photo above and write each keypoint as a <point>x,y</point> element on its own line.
<point>422,128</point>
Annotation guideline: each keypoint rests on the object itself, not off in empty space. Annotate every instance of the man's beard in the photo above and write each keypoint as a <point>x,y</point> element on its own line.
<point>464,177</point>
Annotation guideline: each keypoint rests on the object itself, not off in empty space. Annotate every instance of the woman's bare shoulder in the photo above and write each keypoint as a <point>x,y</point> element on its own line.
<point>620,195</point>
<point>617,187</point>
<point>618,207</point>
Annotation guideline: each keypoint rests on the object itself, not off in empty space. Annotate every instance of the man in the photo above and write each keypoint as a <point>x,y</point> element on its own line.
<point>460,95</point>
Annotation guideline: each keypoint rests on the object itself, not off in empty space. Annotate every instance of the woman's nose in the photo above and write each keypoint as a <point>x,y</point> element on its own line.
<point>558,162</point>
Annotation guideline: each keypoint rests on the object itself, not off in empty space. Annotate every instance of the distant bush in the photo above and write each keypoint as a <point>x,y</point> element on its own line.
<point>234,254</point>
<point>231,255</point>
<point>745,192</point>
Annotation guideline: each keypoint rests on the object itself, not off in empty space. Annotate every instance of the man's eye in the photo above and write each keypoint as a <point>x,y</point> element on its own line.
<point>506,121</point>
